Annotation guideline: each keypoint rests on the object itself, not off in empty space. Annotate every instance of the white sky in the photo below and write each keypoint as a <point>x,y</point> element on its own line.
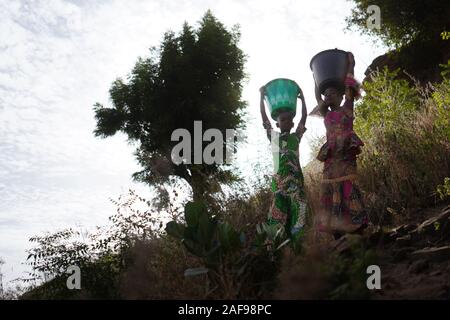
<point>57,58</point>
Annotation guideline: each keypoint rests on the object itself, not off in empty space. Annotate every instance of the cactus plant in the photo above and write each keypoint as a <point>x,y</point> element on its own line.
<point>204,236</point>
<point>229,261</point>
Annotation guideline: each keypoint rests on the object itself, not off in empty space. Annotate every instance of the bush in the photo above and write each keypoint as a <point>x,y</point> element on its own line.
<point>238,253</point>
<point>402,21</point>
<point>323,273</point>
<point>443,190</point>
<point>102,256</point>
<point>134,259</point>
<point>406,134</point>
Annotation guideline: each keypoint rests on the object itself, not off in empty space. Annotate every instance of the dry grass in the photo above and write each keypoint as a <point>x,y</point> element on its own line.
<point>156,272</point>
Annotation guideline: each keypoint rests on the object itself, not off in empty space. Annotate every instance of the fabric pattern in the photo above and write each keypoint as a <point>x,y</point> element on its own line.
<point>289,207</point>
<point>341,198</point>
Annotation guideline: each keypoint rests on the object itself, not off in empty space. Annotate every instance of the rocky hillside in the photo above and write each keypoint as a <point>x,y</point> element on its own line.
<point>420,61</point>
<point>414,257</point>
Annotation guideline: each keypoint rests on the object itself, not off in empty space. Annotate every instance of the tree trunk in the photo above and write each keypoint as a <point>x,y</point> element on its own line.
<point>198,187</point>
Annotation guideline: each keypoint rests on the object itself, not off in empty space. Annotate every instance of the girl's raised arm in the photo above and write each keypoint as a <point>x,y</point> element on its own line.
<point>348,104</point>
<point>301,125</point>
<point>265,119</point>
<point>351,86</point>
<point>323,108</point>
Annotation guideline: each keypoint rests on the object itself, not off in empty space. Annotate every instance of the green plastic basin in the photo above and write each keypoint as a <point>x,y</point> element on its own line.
<point>281,95</point>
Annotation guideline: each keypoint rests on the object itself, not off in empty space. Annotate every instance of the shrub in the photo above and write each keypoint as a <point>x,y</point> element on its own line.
<point>406,134</point>
<point>323,273</point>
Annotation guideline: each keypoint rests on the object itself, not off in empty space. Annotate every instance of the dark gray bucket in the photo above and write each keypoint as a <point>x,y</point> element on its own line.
<point>329,69</point>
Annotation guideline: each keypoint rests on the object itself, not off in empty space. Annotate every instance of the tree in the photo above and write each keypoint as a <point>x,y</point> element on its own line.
<point>2,262</point>
<point>195,75</point>
<point>415,31</point>
<point>403,22</point>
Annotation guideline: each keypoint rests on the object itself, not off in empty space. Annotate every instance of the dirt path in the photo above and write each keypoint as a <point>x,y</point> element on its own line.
<point>415,257</point>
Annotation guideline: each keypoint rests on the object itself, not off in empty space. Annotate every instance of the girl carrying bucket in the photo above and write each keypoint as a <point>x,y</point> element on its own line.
<point>341,199</point>
<point>289,204</point>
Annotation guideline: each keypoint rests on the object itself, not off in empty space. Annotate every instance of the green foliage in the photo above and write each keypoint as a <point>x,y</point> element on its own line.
<point>406,133</point>
<point>347,273</point>
<point>441,100</point>
<point>54,253</point>
<point>195,75</point>
<point>102,256</point>
<point>388,103</point>
<point>445,71</point>
<point>271,238</point>
<point>327,270</point>
<point>227,257</point>
<point>443,190</point>
<point>133,258</point>
<point>212,241</point>
<point>402,22</point>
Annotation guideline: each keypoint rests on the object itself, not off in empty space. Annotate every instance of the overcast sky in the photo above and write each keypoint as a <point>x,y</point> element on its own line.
<point>57,58</point>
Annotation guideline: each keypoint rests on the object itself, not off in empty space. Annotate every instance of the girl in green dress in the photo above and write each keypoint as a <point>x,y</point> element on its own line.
<point>289,205</point>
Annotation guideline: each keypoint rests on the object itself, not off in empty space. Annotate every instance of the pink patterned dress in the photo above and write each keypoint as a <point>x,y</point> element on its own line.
<point>341,199</point>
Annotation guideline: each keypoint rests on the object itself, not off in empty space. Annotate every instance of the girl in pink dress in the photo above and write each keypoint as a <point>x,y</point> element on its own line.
<point>341,201</point>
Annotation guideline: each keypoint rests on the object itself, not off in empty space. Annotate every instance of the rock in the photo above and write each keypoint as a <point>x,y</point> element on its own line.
<point>389,282</point>
<point>405,240</point>
<point>345,243</point>
<point>436,273</point>
<point>404,229</point>
<point>402,253</point>
<point>414,235</point>
<point>433,224</point>
<point>435,253</point>
<point>387,236</point>
<point>425,69</point>
<point>379,236</point>
<point>445,228</point>
<point>374,237</point>
<point>418,266</point>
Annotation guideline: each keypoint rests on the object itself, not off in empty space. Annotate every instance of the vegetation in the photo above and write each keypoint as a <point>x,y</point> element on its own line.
<point>222,249</point>
<point>196,75</point>
<point>235,267</point>
<point>406,155</point>
<point>226,255</point>
<point>406,132</point>
<point>135,258</point>
<point>443,190</point>
<point>403,22</point>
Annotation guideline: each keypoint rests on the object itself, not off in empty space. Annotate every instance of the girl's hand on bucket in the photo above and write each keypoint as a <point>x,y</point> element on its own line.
<point>322,104</point>
<point>351,60</point>
<point>262,90</point>
<point>300,95</point>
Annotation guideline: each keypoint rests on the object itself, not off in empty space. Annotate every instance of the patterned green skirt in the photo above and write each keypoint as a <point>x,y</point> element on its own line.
<point>289,207</point>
